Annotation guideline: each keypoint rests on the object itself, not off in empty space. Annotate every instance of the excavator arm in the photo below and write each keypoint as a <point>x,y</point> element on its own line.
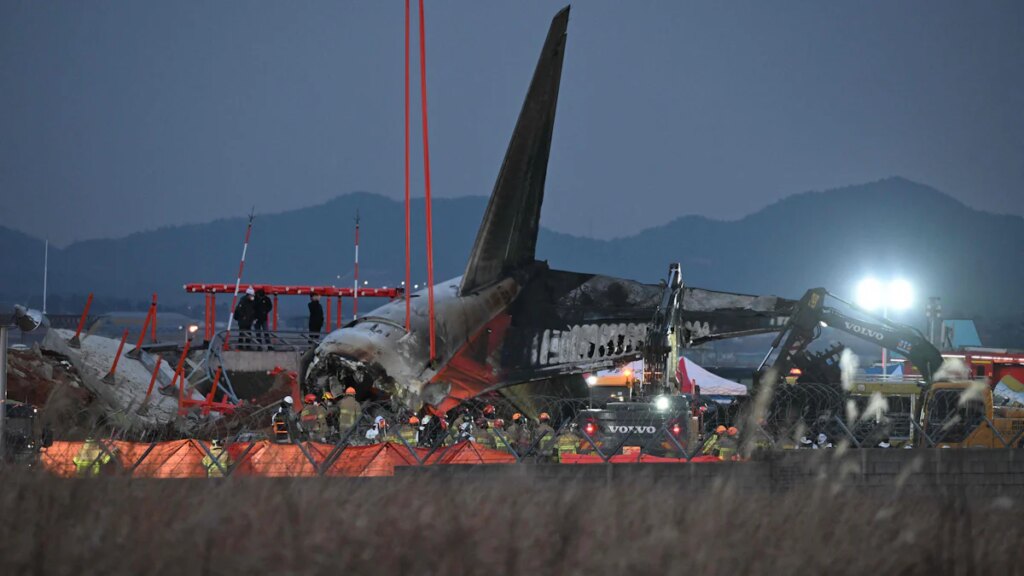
<point>813,313</point>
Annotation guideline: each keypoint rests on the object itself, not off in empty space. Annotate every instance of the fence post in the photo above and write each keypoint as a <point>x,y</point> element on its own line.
<point>109,378</point>
<point>75,342</point>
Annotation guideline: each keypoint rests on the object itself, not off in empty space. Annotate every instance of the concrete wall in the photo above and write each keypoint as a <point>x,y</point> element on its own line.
<point>995,472</point>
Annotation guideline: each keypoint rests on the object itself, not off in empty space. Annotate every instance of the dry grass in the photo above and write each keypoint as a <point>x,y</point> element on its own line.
<point>489,526</point>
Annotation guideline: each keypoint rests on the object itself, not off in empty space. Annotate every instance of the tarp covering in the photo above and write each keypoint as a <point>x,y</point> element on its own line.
<point>689,373</point>
<point>472,453</point>
<point>185,459</point>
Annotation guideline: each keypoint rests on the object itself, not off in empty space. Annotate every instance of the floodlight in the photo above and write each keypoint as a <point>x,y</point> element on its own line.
<point>661,403</point>
<point>591,380</point>
<point>869,294</point>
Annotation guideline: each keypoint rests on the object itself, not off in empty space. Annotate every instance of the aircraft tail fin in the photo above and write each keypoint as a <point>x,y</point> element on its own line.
<point>508,234</point>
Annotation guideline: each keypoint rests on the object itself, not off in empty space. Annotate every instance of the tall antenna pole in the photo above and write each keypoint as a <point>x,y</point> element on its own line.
<point>238,279</point>
<point>426,178</point>
<point>46,270</point>
<point>355,285</point>
<point>408,279</point>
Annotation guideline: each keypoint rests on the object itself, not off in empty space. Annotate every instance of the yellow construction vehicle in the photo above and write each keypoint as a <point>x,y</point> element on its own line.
<point>967,414</point>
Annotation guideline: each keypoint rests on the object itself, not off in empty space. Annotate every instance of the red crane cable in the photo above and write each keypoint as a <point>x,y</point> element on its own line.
<point>426,178</point>
<point>408,280</point>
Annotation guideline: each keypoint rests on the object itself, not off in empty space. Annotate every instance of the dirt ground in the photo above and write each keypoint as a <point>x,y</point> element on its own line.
<point>491,526</point>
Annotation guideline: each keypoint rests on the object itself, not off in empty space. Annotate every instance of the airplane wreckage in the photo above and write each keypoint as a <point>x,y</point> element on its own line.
<point>512,325</point>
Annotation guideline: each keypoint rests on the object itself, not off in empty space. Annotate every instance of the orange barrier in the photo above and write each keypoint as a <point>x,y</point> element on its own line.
<point>184,459</point>
<point>473,453</point>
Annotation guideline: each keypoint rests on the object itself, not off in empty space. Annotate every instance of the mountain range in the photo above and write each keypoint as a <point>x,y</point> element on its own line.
<point>889,228</point>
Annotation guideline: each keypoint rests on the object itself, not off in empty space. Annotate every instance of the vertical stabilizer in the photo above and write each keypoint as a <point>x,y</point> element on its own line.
<point>508,234</point>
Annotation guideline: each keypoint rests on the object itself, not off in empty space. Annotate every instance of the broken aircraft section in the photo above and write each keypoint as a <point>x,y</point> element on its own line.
<point>510,320</point>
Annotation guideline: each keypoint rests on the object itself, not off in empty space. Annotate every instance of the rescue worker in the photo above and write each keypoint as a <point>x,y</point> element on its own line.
<point>544,435</point>
<point>316,315</point>
<point>349,411</point>
<point>220,456</point>
<point>567,442</point>
<point>521,437</point>
<point>409,432</point>
<point>711,444</point>
<point>729,444</point>
<point>245,315</point>
<point>281,421</point>
<point>378,432</point>
<point>483,435</point>
<point>501,437</point>
<point>489,411</point>
<point>331,407</point>
<point>263,305</point>
<point>91,459</point>
<point>314,419</point>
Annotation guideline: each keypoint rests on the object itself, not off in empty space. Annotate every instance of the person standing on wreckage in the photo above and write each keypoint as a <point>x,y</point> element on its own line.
<point>245,315</point>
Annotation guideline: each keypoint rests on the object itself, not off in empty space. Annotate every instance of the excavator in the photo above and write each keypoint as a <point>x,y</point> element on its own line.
<point>954,413</point>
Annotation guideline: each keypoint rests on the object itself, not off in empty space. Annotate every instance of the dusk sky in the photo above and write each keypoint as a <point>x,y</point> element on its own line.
<point>127,115</point>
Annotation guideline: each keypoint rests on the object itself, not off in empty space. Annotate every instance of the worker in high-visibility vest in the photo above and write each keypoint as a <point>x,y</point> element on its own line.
<point>483,435</point>
<point>501,438</point>
<point>567,442</point>
<point>91,459</point>
<point>544,435</point>
<point>409,432</point>
<point>711,444</point>
<point>728,445</point>
<point>349,411</point>
<point>281,421</point>
<point>220,456</point>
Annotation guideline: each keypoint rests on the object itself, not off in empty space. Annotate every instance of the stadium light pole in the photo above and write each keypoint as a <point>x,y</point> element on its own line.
<point>872,294</point>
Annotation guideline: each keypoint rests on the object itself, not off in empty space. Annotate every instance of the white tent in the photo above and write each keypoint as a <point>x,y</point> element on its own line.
<point>689,373</point>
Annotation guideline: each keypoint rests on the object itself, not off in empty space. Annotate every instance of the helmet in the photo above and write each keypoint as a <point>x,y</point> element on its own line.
<point>350,391</point>
<point>328,395</point>
<point>499,423</point>
<point>488,410</point>
<point>309,399</point>
<point>250,291</point>
<point>380,421</point>
<point>720,430</point>
<point>414,421</point>
<point>732,431</point>
<point>544,417</point>
<point>288,400</point>
<point>516,417</point>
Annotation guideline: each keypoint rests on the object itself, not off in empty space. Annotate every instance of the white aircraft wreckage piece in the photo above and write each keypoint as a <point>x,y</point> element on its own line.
<point>121,400</point>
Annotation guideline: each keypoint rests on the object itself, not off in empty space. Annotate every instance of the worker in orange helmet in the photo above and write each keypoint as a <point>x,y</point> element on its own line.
<point>729,445</point>
<point>349,412</point>
<point>544,436</point>
<point>711,444</point>
<point>502,439</point>
<point>408,433</point>
<point>488,411</point>
<point>308,417</point>
<point>520,434</point>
